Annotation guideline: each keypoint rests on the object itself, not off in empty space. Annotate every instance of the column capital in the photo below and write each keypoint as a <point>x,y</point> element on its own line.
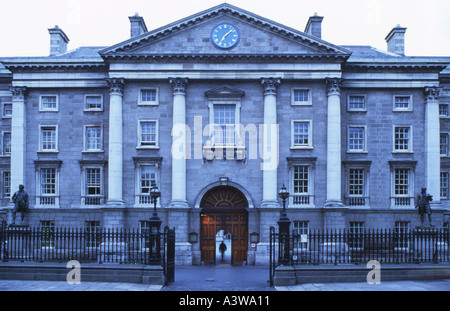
<point>19,92</point>
<point>270,85</point>
<point>333,86</point>
<point>179,85</point>
<point>431,93</point>
<point>116,85</point>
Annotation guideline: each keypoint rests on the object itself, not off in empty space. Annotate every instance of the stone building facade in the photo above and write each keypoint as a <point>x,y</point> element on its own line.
<point>219,110</point>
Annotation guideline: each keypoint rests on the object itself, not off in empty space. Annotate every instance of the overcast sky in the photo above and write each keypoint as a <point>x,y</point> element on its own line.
<point>24,23</point>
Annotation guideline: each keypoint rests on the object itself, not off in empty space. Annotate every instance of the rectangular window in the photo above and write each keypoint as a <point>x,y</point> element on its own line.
<point>444,144</point>
<point>301,97</point>
<point>93,181</point>
<point>356,102</point>
<point>47,233</point>
<point>356,139</point>
<point>147,178</point>
<point>301,179</point>
<point>93,138</point>
<point>401,239</point>
<point>6,184</point>
<point>402,103</point>
<point>148,96</point>
<point>224,124</point>
<point>48,138</point>
<point>6,143</point>
<point>444,185</point>
<point>7,110</point>
<point>301,231</point>
<point>356,184</point>
<point>301,134</point>
<point>93,234</point>
<point>401,182</point>
<point>402,139</point>
<point>356,235</point>
<point>93,103</point>
<point>148,133</point>
<point>48,181</point>
<point>443,110</point>
<point>49,103</point>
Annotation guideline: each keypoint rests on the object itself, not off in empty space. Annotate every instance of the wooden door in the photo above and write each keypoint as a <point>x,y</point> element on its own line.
<point>225,209</point>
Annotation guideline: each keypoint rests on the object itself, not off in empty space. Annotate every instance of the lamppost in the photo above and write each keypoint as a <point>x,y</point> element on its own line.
<point>283,227</point>
<point>155,227</point>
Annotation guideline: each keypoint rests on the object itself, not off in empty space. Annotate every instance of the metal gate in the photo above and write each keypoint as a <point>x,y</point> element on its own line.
<point>169,255</point>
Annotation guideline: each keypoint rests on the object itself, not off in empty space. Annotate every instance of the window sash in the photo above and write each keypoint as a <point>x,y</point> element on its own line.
<point>6,143</point>
<point>148,133</point>
<point>7,109</point>
<point>48,181</point>
<point>401,182</point>
<point>93,181</point>
<point>301,96</point>
<point>444,144</point>
<point>6,184</point>
<point>93,138</point>
<point>402,138</point>
<point>94,102</point>
<point>356,182</point>
<point>224,124</point>
<point>301,179</point>
<point>148,95</point>
<point>48,102</point>
<point>356,138</point>
<point>301,133</point>
<point>356,102</point>
<point>402,102</point>
<point>147,178</point>
<point>444,190</point>
<point>48,138</point>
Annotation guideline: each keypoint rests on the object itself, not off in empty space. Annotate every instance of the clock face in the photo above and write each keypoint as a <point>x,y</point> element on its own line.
<point>225,36</point>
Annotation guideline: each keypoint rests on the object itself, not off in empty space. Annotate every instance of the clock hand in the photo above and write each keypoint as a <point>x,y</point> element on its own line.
<point>223,38</point>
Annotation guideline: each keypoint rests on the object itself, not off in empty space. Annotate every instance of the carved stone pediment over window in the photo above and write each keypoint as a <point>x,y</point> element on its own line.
<point>224,92</point>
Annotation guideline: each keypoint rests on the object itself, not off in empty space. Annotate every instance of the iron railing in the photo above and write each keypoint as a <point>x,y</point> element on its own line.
<point>344,246</point>
<point>93,245</point>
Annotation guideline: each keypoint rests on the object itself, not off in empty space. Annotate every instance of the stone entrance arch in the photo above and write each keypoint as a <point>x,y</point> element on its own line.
<point>224,207</point>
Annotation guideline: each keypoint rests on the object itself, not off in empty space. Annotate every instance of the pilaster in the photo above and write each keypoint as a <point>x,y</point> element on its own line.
<point>115,156</point>
<point>18,139</point>
<point>334,198</point>
<point>432,143</point>
<point>179,147</point>
<point>270,148</point>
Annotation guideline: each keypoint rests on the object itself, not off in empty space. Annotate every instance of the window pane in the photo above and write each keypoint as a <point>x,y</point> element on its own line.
<point>356,102</point>
<point>356,138</point>
<point>301,133</point>
<point>93,102</point>
<point>147,178</point>
<point>93,181</point>
<point>48,102</point>
<point>401,182</point>
<point>224,119</point>
<point>301,176</point>
<point>48,181</point>
<point>148,133</point>
<point>148,95</point>
<point>356,182</point>
<point>301,96</point>
<point>93,138</point>
<point>402,102</point>
<point>402,138</point>
<point>48,138</point>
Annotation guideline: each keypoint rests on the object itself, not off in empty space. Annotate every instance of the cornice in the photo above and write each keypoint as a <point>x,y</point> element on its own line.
<point>411,66</point>
<point>41,66</point>
<point>227,57</point>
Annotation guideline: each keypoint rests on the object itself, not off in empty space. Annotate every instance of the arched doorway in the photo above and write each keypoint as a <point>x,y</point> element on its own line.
<point>224,208</point>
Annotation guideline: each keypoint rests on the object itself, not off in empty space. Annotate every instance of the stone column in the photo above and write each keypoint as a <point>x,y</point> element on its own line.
<point>432,144</point>
<point>270,152</point>
<point>115,157</point>
<point>18,138</point>
<point>334,143</point>
<point>179,146</point>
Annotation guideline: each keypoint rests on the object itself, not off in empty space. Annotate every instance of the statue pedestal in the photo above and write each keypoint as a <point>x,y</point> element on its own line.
<point>429,245</point>
<point>17,244</point>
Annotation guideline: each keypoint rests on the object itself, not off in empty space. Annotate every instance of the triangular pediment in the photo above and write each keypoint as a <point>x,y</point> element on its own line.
<point>192,37</point>
<point>224,92</point>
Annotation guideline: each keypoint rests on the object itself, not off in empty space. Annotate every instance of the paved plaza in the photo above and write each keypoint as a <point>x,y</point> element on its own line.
<point>223,278</point>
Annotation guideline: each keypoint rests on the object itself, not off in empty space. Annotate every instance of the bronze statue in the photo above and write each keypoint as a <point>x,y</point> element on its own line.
<point>423,204</point>
<point>21,203</point>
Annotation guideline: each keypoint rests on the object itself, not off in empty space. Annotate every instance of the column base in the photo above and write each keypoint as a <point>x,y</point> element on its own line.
<point>270,204</point>
<point>178,204</point>
<point>114,204</point>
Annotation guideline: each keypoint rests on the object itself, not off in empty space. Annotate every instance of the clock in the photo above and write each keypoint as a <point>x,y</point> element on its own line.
<point>225,36</point>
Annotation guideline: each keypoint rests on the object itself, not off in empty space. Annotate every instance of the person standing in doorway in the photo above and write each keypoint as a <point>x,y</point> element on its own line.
<point>222,249</point>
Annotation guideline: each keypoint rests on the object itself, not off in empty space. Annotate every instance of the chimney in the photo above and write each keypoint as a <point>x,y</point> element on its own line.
<point>137,25</point>
<point>396,40</point>
<point>58,41</point>
<point>314,26</point>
